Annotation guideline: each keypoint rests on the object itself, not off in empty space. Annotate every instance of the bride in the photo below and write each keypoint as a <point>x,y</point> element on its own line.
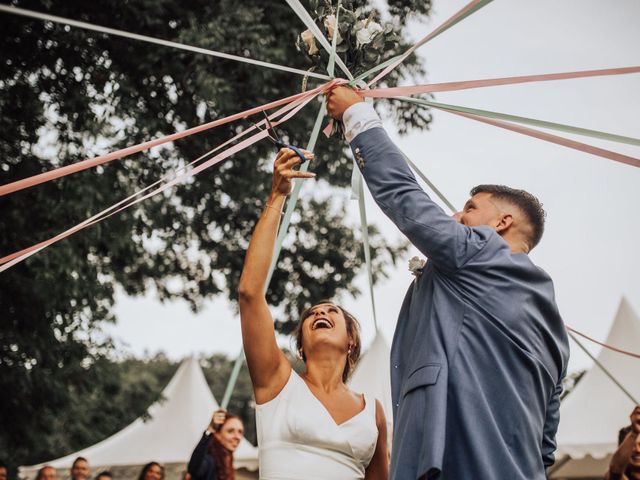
<point>309,426</point>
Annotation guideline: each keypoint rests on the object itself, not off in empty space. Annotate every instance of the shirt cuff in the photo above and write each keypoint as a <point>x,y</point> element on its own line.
<point>358,118</point>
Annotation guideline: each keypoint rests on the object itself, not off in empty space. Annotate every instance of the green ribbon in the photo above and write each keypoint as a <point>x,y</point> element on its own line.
<point>333,58</point>
<point>282,233</point>
<point>367,249</point>
<point>302,13</point>
<point>433,188</point>
<point>388,62</point>
<point>286,219</point>
<point>526,121</point>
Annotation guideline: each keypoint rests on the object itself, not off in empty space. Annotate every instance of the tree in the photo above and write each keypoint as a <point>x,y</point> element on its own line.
<point>67,94</point>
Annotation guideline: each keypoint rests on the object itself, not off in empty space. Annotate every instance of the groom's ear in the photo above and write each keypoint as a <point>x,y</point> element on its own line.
<point>504,223</point>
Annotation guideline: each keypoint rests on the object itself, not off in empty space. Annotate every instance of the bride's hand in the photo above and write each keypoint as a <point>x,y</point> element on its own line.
<point>283,171</point>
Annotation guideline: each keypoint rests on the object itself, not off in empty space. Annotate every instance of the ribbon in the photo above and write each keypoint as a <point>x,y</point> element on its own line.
<point>302,13</point>
<point>467,10</point>
<point>548,137</point>
<point>492,82</point>
<point>367,249</point>
<point>157,41</point>
<point>612,137</point>
<point>607,346</point>
<point>16,257</point>
<point>85,164</point>
<point>377,93</point>
<point>282,232</point>
<point>286,219</point>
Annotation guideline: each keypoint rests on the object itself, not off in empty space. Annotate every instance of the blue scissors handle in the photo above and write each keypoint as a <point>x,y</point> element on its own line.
<point>280,145</point>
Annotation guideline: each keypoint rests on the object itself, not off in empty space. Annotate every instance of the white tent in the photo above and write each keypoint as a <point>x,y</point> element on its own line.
<point>372,374</point>
<point>592,414</point>
<point>169,436</point>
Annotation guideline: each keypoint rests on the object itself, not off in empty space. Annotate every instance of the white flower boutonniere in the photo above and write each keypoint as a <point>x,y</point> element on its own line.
<point>416,264</point>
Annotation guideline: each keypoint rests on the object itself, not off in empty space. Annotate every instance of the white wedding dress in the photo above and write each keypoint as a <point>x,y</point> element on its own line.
<point>298,439</point>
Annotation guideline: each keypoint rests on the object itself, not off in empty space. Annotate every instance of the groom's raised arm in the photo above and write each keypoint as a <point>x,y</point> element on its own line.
<point>394,187</point>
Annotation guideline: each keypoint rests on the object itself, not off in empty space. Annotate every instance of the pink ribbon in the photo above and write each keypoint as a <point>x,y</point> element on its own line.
<point>85,164</point>
<point>470,6</point>
<point>565,142</point>
<point>491,82</point>
<point>292,108</point>
<point>614,349</point>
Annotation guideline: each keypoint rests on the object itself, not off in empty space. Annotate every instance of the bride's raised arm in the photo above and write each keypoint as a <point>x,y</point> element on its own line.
<point>268,367</point>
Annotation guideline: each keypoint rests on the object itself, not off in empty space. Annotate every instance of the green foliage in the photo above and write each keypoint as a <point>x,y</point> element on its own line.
<point>365,40</point>
<point>68,94</point>
<point>119,393</point>
<point>122,391</point>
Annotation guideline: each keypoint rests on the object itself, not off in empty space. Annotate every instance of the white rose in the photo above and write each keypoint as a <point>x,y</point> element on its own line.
<point>310,41</point>
<point>416,265</point>
<point>330,25</point>
<point>365,34</point>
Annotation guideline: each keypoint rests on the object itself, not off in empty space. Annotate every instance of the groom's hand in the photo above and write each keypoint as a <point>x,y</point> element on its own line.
<point>339,99</point>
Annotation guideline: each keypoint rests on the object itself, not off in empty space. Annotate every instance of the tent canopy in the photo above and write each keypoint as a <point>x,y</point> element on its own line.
<point>592,414</point>
<point>372,374</point>
<point>169,436</point>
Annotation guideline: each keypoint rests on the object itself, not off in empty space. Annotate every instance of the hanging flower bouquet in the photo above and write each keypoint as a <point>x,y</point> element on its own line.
<point>362,41</point>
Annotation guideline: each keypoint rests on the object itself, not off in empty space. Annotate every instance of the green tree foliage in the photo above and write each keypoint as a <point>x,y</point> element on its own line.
<point>122,391</point>
<point>68,94</point>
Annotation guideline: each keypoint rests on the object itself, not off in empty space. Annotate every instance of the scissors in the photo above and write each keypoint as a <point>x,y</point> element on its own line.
<point>275,138</point>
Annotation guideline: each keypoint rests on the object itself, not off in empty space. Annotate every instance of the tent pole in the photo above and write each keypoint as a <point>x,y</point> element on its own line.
<point>604,370</point>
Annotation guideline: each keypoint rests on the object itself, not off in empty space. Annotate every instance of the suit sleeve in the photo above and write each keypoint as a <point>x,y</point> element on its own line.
<point>201,466</point>
<point>393,186</point>
<point>551,426</point>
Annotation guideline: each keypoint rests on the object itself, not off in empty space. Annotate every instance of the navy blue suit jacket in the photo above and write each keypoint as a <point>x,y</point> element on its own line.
<point>479,351</point>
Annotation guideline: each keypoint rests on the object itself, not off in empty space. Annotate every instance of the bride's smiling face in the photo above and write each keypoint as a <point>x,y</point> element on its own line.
<point>324,321</point>
<point>325,325</point>
<point>327,328</point>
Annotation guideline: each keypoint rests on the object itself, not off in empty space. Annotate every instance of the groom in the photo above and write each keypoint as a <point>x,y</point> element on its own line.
<point>480,350</point>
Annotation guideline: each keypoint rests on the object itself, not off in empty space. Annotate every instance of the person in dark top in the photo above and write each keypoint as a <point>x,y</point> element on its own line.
<point>212,459</point>
<point>625,463</point>
<point>152,471</point>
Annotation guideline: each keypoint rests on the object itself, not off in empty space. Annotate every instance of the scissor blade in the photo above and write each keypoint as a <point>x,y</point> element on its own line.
<point>272,131</point>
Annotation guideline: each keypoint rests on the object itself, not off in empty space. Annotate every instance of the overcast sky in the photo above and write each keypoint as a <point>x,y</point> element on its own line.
<point>590,247</point>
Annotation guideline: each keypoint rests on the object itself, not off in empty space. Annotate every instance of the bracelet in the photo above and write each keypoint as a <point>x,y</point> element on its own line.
<point>274,208</point>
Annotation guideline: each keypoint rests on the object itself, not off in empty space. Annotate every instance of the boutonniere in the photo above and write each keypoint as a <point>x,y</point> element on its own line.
<point>416,264</point>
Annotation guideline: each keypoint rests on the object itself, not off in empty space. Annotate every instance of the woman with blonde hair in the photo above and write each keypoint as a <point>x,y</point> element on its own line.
<point>311,425</point>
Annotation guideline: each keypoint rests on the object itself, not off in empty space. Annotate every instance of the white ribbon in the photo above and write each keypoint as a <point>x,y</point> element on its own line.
<point>157,41</point>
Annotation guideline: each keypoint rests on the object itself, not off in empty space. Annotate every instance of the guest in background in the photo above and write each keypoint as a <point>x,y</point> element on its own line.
<point>80,469</point>
<point>212,458</point>
<point>104,475</point>
<point>152,471</point>
<point>47,473</point>
<point>625,463</point>
<point>3,470</point>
